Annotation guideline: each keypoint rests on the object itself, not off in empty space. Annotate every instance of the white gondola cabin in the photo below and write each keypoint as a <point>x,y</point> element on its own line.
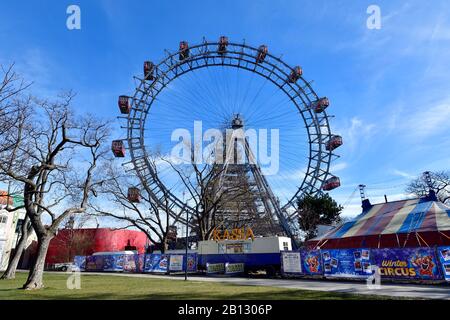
<point>331,183</point>
<point>118,148</point>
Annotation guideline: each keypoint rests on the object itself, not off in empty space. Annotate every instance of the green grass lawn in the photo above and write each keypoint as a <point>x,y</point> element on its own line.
<point>120,287</point>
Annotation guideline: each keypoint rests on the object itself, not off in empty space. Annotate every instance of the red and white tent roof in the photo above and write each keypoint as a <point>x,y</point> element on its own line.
<point>399,217</point>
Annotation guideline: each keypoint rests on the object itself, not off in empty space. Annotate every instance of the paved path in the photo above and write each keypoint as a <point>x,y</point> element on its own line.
<point>392,290</point>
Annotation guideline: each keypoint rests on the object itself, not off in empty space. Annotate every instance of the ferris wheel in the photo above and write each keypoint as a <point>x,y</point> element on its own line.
<point>212,82</point>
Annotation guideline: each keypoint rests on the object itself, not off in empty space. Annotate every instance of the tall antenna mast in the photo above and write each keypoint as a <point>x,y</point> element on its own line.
<point>362,192</point>
<point>427,178</point>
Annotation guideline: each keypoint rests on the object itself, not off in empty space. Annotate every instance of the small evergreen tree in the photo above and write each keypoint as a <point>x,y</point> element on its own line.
<point>315,210</point>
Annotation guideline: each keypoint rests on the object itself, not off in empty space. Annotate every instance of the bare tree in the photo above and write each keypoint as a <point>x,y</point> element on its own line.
<point>72,241</point>
<point>147,215</point>
<point>206,192</point>
<point>54,159</point>
<point>12,86</point>
<point>439,182</point>
<point>15,112</point>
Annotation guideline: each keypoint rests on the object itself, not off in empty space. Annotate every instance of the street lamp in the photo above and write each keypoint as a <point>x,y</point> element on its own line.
<point>187,242</point>
<point>187,245</point>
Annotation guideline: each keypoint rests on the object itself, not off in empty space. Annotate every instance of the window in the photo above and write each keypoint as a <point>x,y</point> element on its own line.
<point>3,219</point>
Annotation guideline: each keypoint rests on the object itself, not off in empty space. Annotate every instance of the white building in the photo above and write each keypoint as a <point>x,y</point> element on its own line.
<point>9,224</point>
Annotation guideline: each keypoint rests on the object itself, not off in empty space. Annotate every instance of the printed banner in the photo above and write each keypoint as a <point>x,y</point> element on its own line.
<point>94,263</point>
<point>407,263</point>
<point>176,262</point>
<point>156,263</point>
<point>311,262</point>
<point>215,268</point>
<point>80,262</point>
<point>192,262</point>
<point>113,262</point>
<point>444,258</point>
<point>140,262</point>
<point>130,262</point>
<point>234,268</point>
<point>291,262</point>
<point>346,263</point>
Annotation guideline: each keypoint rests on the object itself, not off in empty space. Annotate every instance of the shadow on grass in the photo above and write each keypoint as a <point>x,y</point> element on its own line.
<point>120,288</point>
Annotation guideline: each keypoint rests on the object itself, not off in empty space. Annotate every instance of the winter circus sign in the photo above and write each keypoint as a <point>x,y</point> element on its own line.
<point>421,263</point>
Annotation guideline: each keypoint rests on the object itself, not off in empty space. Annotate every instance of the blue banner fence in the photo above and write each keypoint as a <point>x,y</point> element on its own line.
<point>136,263</point>
<point>422,263</point>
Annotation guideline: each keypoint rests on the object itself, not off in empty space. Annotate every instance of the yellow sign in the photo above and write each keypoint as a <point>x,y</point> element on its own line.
<point>235,234</point>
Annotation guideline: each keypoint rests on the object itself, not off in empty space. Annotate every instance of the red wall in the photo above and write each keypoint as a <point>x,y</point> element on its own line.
<point>69,242</point>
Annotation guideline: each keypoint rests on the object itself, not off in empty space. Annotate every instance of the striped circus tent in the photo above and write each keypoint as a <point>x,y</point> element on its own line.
<point>404,223</point>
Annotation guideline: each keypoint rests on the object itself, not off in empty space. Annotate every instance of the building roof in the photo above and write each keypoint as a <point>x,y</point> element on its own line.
<point>397,217</point>
<point>14,200</point>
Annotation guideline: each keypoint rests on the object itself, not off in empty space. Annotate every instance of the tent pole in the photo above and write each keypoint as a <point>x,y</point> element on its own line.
<point>323,244</point>
<point>444,235</point>
<point>317,244</point>
<point>418,240</point>
<point>398,240</point>
<point>423,239</point>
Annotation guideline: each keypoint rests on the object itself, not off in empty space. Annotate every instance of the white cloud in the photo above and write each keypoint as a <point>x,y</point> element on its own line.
<point>402,174</point>
<point>338,167</point>
<point>355,132</point>
<point>427,121</point>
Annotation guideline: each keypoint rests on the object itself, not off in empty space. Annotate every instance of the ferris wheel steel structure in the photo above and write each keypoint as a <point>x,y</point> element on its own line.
<point>245,57</point>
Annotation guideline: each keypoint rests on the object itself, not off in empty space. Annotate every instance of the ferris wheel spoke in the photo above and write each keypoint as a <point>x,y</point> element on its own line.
<point>212,88</point>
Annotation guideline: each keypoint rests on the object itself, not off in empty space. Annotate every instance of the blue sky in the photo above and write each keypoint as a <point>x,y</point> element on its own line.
<point>389,88</point>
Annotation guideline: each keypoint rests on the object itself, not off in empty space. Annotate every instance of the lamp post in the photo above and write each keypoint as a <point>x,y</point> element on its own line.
<point>187,242</point>
<point>187,245</point>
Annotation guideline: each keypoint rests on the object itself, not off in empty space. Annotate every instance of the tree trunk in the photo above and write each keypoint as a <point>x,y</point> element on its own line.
<point>35,277</point>
<point>164,245</point>
<point>10,272</point>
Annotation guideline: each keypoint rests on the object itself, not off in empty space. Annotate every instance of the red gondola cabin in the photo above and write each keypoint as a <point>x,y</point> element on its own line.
<point>319,105</point>
<point>334,142</point>
<point>124,104</point>
<point>184,50</point>
<point>262,53</point>
<point>134,195</point>
<point>223,43</point>
<point>296,73</point>
<point>172,233</point>
<point>118,148</point>
<point>149,70</point>
<point>331,183</point>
